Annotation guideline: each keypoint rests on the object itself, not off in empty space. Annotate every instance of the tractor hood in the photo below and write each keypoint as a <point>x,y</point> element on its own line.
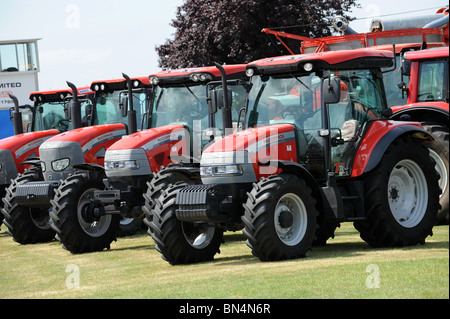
<point>256,150</point>
<point>16,149</point>
<point>254,140</point>
<point>79,146</point>
<point>149,150</point>
<point>22,144</point>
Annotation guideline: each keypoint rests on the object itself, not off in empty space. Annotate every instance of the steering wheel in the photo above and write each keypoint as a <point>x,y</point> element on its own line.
<point>63,125</point>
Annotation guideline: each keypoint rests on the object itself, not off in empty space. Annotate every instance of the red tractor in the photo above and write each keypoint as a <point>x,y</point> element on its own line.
<point>47,120</point>
<point>428,98</point>
<point>425,69</point>
<point>27,199</point>
<point>319,149</point>
<point>85,213</point>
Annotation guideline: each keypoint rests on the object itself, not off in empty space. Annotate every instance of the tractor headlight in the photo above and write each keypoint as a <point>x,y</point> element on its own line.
<point>60,165</point>
<point>221,170</point>
<point>200,77</point>
<point>115,165</point>
<point>154,80</point>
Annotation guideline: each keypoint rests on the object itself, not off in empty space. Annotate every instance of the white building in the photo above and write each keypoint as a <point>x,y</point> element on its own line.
<point>19,67</point>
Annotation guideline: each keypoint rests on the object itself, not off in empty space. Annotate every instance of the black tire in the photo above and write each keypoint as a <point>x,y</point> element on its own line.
<point>129,226</point>
<point>270,218</point>
<point>27,225</point>
<point>405,170</point>
<point>2,195</point>
<point>170,234</point>
<point>160,181</point>
<point>439,152</point>
<point>77,231</point>
<point>325,231</point>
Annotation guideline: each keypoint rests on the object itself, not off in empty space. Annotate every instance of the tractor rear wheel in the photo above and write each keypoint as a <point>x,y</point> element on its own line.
<point>2,195</point>
<point>27,225</point>
<point>439,152</point>
<point>181,242</point>
<point>401,197</point>
<point>78,228</point>
<point>129,226</point>
<point>280,218</point>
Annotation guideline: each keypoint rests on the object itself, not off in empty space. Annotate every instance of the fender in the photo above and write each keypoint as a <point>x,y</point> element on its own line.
<point>372,149</point>
<point>438,107</point>
<point>299,170</point>
<point>331,203</point>
<point>191,171</point>
<point>90,167</point>
<point>436,112</point>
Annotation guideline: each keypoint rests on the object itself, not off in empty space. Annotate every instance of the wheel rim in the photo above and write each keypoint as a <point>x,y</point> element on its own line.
<point>126,221</point>
<point>94,227</point>
<point>40,218</point>
<point>408,193</point>
<point>290,219</point>
<point>441,169</point>
<point>198,235</point>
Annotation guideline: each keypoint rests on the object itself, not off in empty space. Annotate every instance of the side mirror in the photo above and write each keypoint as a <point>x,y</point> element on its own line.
<point>16,116</point>
<point>406,67</point>
<point>67,114</point>
<point>123,106</point>
<point>213,101</point>
<point>88,110</point>
<point>331,90</point>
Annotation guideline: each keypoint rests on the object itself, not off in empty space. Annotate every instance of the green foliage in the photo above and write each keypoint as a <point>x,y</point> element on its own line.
<point>229,31</point>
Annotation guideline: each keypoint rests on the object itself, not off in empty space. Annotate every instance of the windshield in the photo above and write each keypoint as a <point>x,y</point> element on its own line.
<point>108,110</point>
<point>107,107</point>
<point>297,99</point>
<point>180,105</point>
<point>285,99</point>
<point>433,81</point>
<point>51,115</point>
<point>394,95</point>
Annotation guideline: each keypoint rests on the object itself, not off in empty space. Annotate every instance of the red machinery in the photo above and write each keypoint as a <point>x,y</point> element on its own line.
<point>27,200</point>
<point>319,149</point>
<point>425,67</point>
<point>47,120</point>
<point>85,214</point>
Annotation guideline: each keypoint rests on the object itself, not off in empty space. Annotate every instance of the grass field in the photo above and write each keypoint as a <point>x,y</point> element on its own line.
<point>346,268</point>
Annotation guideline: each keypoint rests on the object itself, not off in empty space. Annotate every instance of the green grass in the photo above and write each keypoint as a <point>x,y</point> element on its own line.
<point>134,269</point>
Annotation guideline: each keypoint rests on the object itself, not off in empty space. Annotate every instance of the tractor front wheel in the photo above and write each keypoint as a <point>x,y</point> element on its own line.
<point>280,218</point>
<point>78,228</point>
<point>27,225</point>
<point>178,241</point>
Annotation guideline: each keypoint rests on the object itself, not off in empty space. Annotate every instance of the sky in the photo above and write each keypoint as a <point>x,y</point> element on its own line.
<point>88,40</point>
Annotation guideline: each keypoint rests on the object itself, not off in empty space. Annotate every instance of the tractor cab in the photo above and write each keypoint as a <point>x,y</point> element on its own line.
<point>298,98</point>
<point>112,101</point>
<point>51,107</point>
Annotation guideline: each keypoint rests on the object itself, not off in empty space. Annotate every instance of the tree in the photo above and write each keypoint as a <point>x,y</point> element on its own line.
<point>229,31</point>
